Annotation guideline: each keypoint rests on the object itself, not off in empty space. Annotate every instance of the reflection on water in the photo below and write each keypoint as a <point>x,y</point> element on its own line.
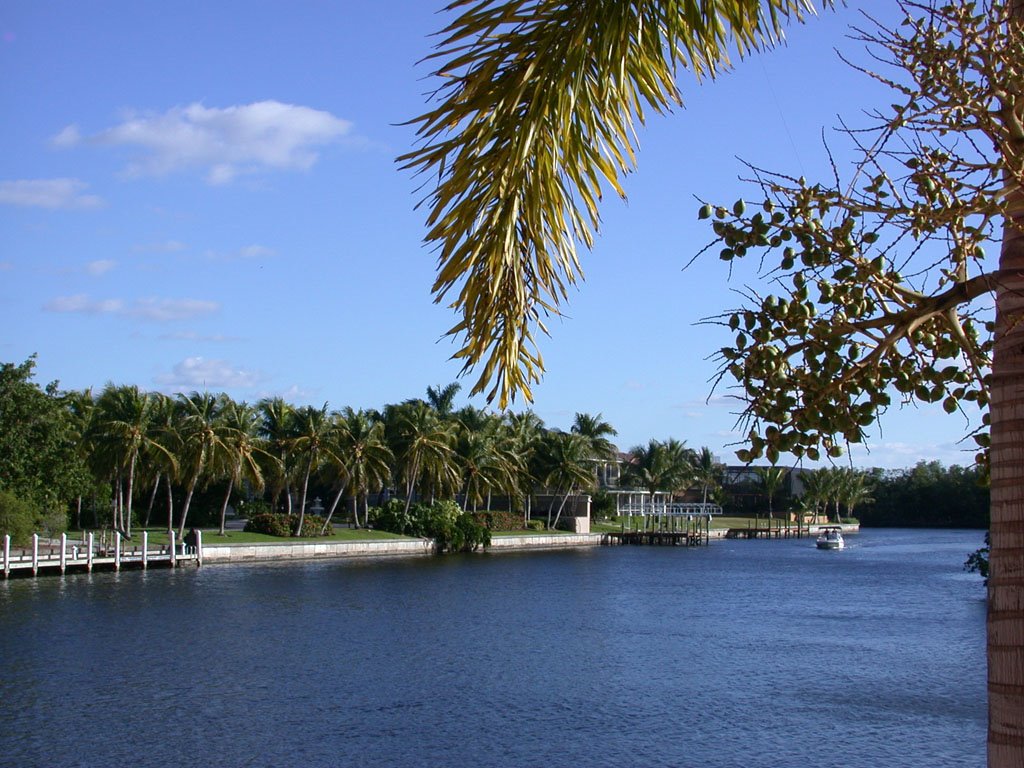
<point>739,654</point>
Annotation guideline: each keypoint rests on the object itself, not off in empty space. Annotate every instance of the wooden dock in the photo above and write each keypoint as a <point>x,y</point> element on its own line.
<point>63,555</point>
<point>767,532</point>
<point>658,538</point>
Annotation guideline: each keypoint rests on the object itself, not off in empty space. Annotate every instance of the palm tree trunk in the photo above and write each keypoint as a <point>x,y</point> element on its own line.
<point>305,490</point>
<point>170,506</point>
<point>561,507</point>
<point>330,513</point>
<point>409,483</point>
<point>188,502</point>
<point>224,506</point>
<point>152,499</point>
<point>1006,456</point>
<point>355,510</point>
<point>131,493</point>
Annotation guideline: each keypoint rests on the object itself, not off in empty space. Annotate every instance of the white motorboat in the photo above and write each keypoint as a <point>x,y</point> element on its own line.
<point>830,537</point>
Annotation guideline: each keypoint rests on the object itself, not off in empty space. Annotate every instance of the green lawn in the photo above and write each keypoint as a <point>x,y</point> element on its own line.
<point>210,536</point>
<point>526,532</point>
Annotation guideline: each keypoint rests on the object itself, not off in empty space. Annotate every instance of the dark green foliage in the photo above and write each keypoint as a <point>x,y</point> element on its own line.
<point>928,496</point>
<point>602,506</point>
<point>535,525</point>
<point>269,523</point>
<point>17,517</point>
<point>501,520</point>
<point>452,529</point>
<point>248,508</point>
<point>39,460</point>
<point>274,524</point>
<point>977,561</point>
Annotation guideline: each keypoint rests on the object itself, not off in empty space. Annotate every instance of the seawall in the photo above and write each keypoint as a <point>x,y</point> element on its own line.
<point>240,553</point>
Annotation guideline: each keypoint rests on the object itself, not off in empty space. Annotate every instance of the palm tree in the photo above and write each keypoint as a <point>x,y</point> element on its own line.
<point>278,423</point>
<point>568,468</point>
<point>243,450</point>
<point>161,462</point>
<point>360,440</point>
<point>853,488</point>
<point>202,441</point>
<point>526,435</point>
<point>596,431</point>
<point>658,467</point>
<point>442,399</point>
<point>310,444</point>
<point>422,446</point>
<point>771,478</point>
<point>535,116</point>
<point>705,471</point>
<point>817,491</point>
<point>122,425</point>
<point>487,462</point>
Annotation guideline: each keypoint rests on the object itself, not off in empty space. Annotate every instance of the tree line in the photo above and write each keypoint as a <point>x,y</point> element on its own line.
<point>124,457</point>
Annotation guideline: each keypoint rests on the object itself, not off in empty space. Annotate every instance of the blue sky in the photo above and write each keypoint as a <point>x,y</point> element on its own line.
<point>204,195</point>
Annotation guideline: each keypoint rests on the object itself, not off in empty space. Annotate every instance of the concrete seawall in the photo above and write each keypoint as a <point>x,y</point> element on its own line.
<point>240,553</point>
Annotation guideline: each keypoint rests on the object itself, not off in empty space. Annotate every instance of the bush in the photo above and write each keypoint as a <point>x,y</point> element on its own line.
<point>535,525</point>
<point>603,506</point>
<point>501,520</point>
<point>17,517</point>
<point>273,524</point>
<point>252,507</point>
<point>269,523</point>
<point>443,521</point>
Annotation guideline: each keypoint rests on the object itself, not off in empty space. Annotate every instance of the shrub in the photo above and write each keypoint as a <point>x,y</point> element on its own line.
<point>269,523</point>
<point>501,520</point>
<point>603,506</point>
<point>443,521</point>
<point>17,517</point>
<point>251,507</point>
<point>274,524</point>
<point>535,525</point>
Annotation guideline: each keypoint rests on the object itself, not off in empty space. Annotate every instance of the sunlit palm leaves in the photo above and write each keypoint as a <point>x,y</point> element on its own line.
<point>537,114</point>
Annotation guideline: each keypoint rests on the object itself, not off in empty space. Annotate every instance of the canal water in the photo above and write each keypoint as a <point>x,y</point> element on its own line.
<point>744,653</point>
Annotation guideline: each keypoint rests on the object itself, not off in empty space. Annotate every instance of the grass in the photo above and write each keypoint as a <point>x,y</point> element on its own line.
<point>526,532</point>
<point>158,536</point>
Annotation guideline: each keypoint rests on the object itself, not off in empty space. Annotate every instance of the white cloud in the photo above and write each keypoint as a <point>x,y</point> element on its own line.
<point>163,310</point>
<point>68,137</point>
<point>83,304</point>
<point>193,336</point>
<point>167,246</point>
<point>256,252</point>
<point>100,266</point>
<point>224,143</point>
<point>157,310</point>
<point>247,252</point>
<point>48,193</point>
<point>201,373</point>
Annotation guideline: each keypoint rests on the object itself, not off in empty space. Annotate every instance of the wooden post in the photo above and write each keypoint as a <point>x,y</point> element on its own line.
<point>63,552</point>
<point>117,550</point>
<point>7,555</point>
<point>35,553</point>
<point>172,546</point>
<point>199,547</point>
<point>88,552</point>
